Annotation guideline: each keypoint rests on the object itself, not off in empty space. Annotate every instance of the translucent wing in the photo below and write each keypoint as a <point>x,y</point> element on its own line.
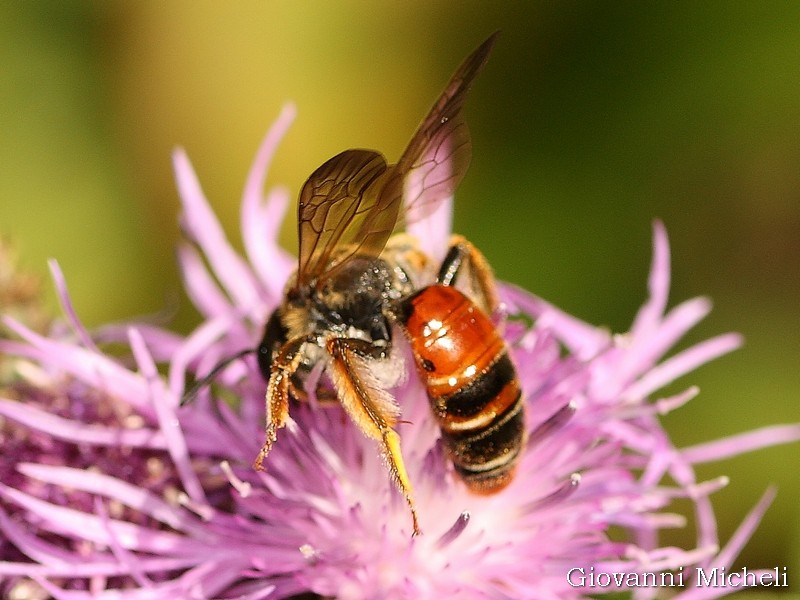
<point>351,204</point>
<point>334,202</point>
<point>438,155</point>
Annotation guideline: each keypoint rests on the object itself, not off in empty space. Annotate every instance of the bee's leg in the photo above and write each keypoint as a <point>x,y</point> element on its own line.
<point>280,377</point>
<point>463,257</point>
<point>370,406</point>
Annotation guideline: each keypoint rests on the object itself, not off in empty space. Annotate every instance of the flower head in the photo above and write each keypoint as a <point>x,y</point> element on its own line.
<point>117,491</point>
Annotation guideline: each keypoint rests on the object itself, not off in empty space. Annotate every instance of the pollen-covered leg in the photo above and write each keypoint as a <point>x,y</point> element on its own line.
<point>465,259</point>
<point>281,372</point>
<point>370,407</point>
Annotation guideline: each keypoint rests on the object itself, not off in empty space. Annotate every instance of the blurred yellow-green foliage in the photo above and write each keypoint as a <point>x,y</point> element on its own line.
<point>591,120</point>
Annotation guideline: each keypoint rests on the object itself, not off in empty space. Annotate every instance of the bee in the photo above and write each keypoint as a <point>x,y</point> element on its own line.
<point>355,282</point>
<point>357,285</point>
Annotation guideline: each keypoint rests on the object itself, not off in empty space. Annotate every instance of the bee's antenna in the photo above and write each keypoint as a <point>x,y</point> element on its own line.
<point>192,392</point>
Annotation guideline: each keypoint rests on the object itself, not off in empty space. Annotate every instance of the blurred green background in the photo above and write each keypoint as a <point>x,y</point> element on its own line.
<point>591,120</point>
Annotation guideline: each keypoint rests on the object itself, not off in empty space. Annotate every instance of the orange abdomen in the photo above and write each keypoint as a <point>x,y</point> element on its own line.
<point>471,383</point>
<point>451,338</point>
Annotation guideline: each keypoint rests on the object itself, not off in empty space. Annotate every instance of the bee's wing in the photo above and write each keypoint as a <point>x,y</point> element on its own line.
<point>334,203</point>
<point>437,157</point>
<point>351,204</point>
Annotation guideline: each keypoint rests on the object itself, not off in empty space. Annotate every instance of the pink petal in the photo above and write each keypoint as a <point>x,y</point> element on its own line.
<point>80,525</point>
<point>200,286</point>
<point>201,225</point>
<point>164,404</point>
<point>123,556</point>
<point>732,549</point>
<point>195,345</point>
<point>643,351</point>
<point>66,304</point>
<point>582,339</point>
<point>742,443</point>
<point>94,369</point>
<point>257,177</point>
<point>682,363</point>
<point>706,522</point>
<point>272,264</point>
<point>162,342</point>
<point>74,431</point>
<point>658,282</point>
<point>110,487</point>
<point>73,565</point>
<point>260,224</point>
<point>32,546</point>
<point>745,531</point>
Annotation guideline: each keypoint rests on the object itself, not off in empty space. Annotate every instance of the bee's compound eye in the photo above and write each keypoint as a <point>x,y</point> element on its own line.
<point>275,334</point>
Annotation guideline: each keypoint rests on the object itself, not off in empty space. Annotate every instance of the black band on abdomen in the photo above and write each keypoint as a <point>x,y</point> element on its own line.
<point>472,398</point>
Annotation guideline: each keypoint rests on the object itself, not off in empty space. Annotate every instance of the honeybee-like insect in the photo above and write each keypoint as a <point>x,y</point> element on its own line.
<point>355,283</point>
<point>355,280</point>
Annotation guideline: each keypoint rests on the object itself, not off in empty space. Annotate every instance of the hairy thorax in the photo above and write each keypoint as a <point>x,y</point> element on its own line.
<point>356,302</point>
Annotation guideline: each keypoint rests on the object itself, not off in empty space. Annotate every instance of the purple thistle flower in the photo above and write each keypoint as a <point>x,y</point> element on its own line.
<point>112,490</point>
